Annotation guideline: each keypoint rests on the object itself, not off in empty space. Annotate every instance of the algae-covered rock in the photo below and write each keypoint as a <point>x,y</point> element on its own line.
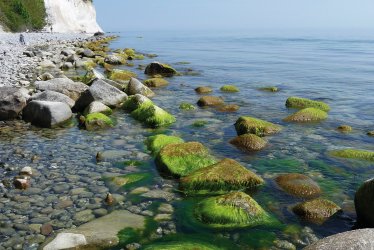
<point>156,82</point>
<point>157,142</point>
<point>186,106</point>
<point>370,133</point>
<point>97,121</point>
<point>269,89</point>
<point>136,87</point>
<point>157,68</point>
<point>298,185</point>
<point>229,88</point>
<point>317,210</point>
<point>364,204</point>
<point>183,158</point>
<point>203,90</point>
<point>250,125</point>
<point>307,115</point>
<point>121,75</point>
<point>232,210</point>
<point>152,115</point>
<point>228,108</point>
<point>354,154</point>
<point>226,175</point>
<point>344,128</point>
<point>135,102</point>
<point>302,103</point>
<point>199,123</point>
<point>210,101</point>
<point>249,142</point>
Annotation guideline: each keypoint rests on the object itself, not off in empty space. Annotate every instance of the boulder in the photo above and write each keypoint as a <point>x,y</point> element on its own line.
<point>97,121</point>
<point>362,239</point>
<point>229,88</point>
<point>102,92</point>
<point>364,204</point>
<point>12,101</point>
<point>88,53</point>
<point>210,101</point>
<point>63,85</point>
<point>114,60</point>
<point>249,142</point>
<point>298,185</point>
<point>134,102</point>
<point>156,82</point>
<point>47,64</point>
<point>307,115</point>
<point>157,142</point>
<point>183,158</point>
<point>316,211</point>
<point>157,68</point>
<point>226,175</point>
<point>203,90</point>
<point>53,96</point>
<point>97,107</point>
<point>250,125</point>
<point>302,103</point>
<point>136,87</point>
<point>47,114</point>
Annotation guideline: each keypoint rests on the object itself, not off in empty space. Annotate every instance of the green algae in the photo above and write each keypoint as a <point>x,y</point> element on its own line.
<point>121,75</point>
<point>229,88</point>
<point>152,115</point>
<point>157,142</point>
<point>96,121</point>
<point>156,82</point>
<point>129,180</point>
<point>186,106</point>
<point>250,125</point>
<point>257,239</point>
<point>301,103</point>
<point>199,123</point>
<point>279,165</point>
<point>353,154</point>
<point>307,115</point>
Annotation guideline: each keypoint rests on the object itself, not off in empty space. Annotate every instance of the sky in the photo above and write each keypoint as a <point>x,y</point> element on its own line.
<point>132,15</point>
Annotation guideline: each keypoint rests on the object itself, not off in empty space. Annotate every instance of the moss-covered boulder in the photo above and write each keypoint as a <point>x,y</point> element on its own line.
<point>344,128</point>
<point>121,76</point>
<point>298,185</point>
<point>186,106</point>
<point>157,68</point>
<point>135,102</point>
<point>302,103</point>
<point>317,210</point>
<point>307,115</point>
<point>210,101</point>
<point>354,154</point>
<point>364,204</point>
<point>203,90</point>
<point>233,210</point>
<point>269,89</point>
<point>229,88</point>
<point>249,142</point>
<point>157,142</point>
<point>96,121</point>
<point>152,115</point>
<point>183,158</point>
<point>226,175</point>
<point>156,82</point>
<point>250,125</point>
<point>228,108</point>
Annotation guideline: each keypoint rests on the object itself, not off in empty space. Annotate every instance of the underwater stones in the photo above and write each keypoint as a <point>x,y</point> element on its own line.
<point>364,204</point>
<point>228,108</point>
<point>136,87</point>
<point>232,210</point>
<point>203,90</point>
<point>229,88</point>
<point>157,142</point>
<point>250,125</point>
<point>249,142</point>
<point>121,75</point>
<point>183,158</point>
<point>53,96</point>
<point>156,82</point>
<point>307,115</point>
<point>298,185</point>
<point>269,89</point>
<point>125,180</point>
<point>344,128</point>
<point>96,121</point>
<point>97,107</point>
<point>63,85</point>
<point>317,210</point>
<point>353,154</point>
<point>156,68</point>
<point>12,101</point>
<point>226,175</point>
<point>302,103</point>
<point>152,115</point>
<point>186,106</point>
<point>46,114</point>
<point>210,101</point>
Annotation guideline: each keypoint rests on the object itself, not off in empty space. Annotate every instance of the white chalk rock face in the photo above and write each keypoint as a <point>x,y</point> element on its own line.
<point>71,16</point>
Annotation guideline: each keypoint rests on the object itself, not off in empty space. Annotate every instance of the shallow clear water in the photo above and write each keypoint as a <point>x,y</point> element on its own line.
<point>337,71</point>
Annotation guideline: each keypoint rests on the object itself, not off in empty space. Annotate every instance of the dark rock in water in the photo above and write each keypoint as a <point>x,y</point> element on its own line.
<point>298,185</point>
<point>157,68</point>
<point>47,114</point>
<point>21,182</point>
<point>109,199</point>
<point>136,87</point>
<point>64,86</point>
<point>249,142</point>
<point>53,96</point>
<point>102,92</point>
<point>370,133</point>
<point>99,33</point>
<point>317,210</point>
<point>364,204</point>
<point>46,229</point>
<point>203,90</point>
<point>12,101</point>
<point>362,239</point>
<point>210,101</point>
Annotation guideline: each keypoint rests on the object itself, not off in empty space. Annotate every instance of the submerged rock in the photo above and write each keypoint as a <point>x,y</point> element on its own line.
<point>317,210</point>
<point>203,90</point>
<point>307,115</point>
<point>183,158</point>
<point>298,185</point>
<point>156,82</point>
<point>269,89</point>
<point>229,88</point>
<point>232,210</point>
<point>186,106</point>
<point>210,101</point>
<point>47,114</point>
<point>63,85</point>
<point>136,87</point>
<point>302,103</point>
<point>354,154</point>
<point>12,101</point>
<point>53,96</point>
<point>370,133</point>
<point>157,68</point>
<point>229,108</point>
<point>344,128</point>
<point>364,204</point>
<point>250,125</point>
<point>96,121</point>
<point>157,142</point>
<point>226,175</point>
<point>249,142</point>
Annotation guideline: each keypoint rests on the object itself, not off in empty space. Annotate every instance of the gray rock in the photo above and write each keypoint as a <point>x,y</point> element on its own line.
<point>12,101</point>
<point>364,204</point>
<point>47,114</point>
<point>53,96</point>
<point>64,86</point>
<point>114,60</point>
<point>67,52</point>
<point>88,53</point>
<point>102,92</point>
<point>136,87</point>
<point>66,241</point>
<point>97,107</point>
<point>67,65</point>
<point>46,77</point>
<point>362,239</point>
<point>72,58</point>
<point>113,83</point>
<point>47,64</point>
